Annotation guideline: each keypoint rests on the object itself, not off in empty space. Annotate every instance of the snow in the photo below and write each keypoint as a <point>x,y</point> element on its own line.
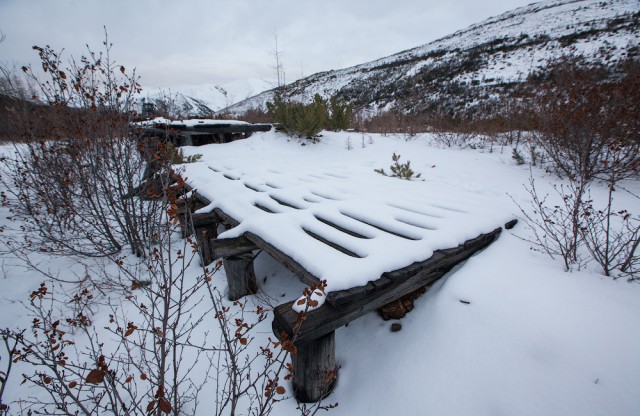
<point>402,222</point>
<point>315,300</point>
<point>213,96</point>
<point>190,122</point>
<point>530,339</point>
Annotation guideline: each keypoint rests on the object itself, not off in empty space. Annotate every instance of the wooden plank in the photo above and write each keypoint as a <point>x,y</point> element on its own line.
<point>331,244</point>
<point>206,129</point>
<point>227,247</point>
<point>439,259</point>
<point>329,317</point>
<point>283,259</point>
<point>230,221</point>
<point>278,255</point>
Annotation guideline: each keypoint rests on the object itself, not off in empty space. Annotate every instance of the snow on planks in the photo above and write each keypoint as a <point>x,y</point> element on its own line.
<point>349,228</point>
<point>372,239</point>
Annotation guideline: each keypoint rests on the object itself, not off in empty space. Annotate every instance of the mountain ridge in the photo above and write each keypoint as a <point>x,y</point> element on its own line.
<point>203,100</point>
<point>458,70</point>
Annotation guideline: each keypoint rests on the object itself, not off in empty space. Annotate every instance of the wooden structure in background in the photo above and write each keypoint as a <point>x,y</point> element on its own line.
<point>201,133</point>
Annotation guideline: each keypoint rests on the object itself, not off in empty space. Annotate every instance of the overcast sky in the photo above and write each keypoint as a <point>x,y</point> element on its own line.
<point>180,42</point>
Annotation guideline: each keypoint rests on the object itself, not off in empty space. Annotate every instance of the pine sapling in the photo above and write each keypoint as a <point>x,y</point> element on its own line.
<point>399,170</point>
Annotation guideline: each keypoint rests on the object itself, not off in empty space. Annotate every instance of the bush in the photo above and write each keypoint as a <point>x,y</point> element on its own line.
<point>341,114</point>
<point>307,120</point>
<point>298,119</point>
<point>399,170</point>
<point>588,124</point>
<point>76,175</point>
<point>589,132</point>
<point>82,184</point>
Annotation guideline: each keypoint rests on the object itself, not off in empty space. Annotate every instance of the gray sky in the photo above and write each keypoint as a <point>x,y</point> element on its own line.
<point>178,42</point>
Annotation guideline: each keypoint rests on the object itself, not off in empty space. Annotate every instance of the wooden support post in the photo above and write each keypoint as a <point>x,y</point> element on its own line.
<point>314,369</point>
<point>205,236</point>
<point>240,276</point>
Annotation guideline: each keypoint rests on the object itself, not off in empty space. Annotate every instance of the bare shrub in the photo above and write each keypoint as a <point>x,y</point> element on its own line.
<point>74,177</point>
<point>557,225</point>
<point>587,119</point>
<point>253,116</point>
<point>590,133</point>
<point>10,345</point>
<point>85,186</point>
<point>393,122</point>
<point>612,237</point>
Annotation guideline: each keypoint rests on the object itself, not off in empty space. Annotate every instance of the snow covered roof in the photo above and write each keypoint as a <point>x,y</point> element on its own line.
<point>305,205</point>
<point>190,122</point>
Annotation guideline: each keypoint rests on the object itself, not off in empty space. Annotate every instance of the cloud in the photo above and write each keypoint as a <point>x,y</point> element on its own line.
<point>200,41</point>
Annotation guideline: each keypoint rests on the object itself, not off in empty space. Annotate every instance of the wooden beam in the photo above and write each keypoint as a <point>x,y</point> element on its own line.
<point>205,220</point>
<point>227,219</point>
<point>283,259</point>
<point>227,247</point>
<point>354,304</point>
<point>206,129</point>
<point>441,259</point>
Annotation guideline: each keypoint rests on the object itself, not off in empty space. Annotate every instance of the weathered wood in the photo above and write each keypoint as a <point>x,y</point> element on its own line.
<point>283,259</point>
<point>218,128</point>
<point>439,259</point>
<point>205,236</point>
<point>241,277</point>
<point>314,369</point>
<point>189,222</point>
<point>205,220</point>
<point>401,306</point>
<point>329,317</point>
<point>279,256</point>
<point>511,224</point>
<point>227,219</point>
<point>231,247</point>
<point>331,244</point>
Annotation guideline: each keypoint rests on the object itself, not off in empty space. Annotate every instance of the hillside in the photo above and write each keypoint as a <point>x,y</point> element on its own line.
<point>477,64</point>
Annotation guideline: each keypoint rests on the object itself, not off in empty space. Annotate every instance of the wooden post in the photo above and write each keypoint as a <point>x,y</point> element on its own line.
<point>314,369</point>
<point>240,276</point>
<point>204,236</point>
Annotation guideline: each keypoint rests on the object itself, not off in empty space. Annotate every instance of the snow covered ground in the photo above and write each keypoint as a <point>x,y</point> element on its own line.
<point>529,339</point>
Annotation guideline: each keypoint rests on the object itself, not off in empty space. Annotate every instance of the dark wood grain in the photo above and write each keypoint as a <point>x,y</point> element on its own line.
<point>329,317</point>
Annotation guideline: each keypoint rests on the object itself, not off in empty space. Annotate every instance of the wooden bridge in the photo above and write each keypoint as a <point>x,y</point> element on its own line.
<point>372,241</point>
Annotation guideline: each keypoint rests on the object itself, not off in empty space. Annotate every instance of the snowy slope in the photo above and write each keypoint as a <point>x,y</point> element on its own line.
<point>530,339</point>
<point>490,54</point>
<point>204,100</point>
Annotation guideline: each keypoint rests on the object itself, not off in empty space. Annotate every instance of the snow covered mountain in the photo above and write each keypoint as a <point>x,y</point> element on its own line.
<point>204,100</point>
<point>481,62</point>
